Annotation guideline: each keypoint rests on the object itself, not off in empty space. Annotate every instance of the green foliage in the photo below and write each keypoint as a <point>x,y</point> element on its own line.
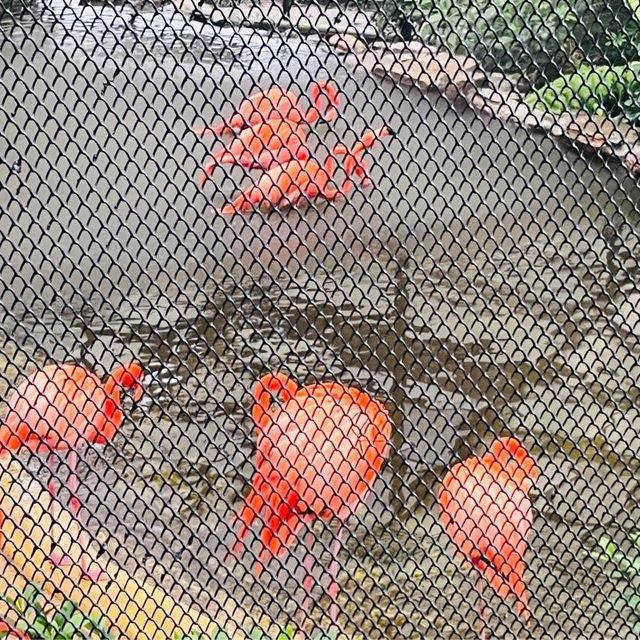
<point>256,633</point>
<point>67,623</point>
<point>598,90</point>
<point>220,634</point>
<point>289,633</point>
<point>626,571</point>
<point>537,39</point>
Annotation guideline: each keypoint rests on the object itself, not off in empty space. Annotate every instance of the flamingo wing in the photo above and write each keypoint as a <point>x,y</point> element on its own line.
<point>488,518</point>
<point>335,451</point>
<point>59,407</point>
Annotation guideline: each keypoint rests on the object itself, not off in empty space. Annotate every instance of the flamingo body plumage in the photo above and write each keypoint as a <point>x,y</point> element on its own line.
<point>278,103</point>
<point>262,146</point>
<point>487,513</point>
<point>318,455</point>
<point>285,185</point>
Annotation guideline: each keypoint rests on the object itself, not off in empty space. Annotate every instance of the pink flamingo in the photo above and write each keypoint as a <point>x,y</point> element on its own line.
<point>262,146</point>
<point>285,185</point>
<point>276,103</point>
<point>487,513</point>
<point>60,409</point>
<point>318,455</point>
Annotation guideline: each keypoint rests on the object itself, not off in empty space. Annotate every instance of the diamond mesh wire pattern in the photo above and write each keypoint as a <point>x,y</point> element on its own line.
<point>405,358</point>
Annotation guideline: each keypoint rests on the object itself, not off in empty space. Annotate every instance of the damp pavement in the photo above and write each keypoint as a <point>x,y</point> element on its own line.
<point>498,266</point>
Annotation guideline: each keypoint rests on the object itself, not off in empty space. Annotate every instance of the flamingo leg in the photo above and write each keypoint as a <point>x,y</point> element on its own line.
<point>334,569</point>
<point>482,608</point>
<point>95,574</point>
<point>52,463</point>
<point>58,557</point>
<point>72,483</point>
<point>308,571</point>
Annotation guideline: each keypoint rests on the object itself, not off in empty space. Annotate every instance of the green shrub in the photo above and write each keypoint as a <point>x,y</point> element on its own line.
<point>198,635</point>
<point>625,570</point>
<point>255,633</point>
<point>537,39</point>
<point>598,90</point>
<point>67,623</point>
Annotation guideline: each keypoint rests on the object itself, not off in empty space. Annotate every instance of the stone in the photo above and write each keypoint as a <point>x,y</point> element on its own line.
<point>628,133</point>
<point>348,42</point>
<point>369,60</point>
<point>632,159</point>
<point>584,130</point>
<point>501,83</point>
<point>426,69</point>
<point>415,45</point>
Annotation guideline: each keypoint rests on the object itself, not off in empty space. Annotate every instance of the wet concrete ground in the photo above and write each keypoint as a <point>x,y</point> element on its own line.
<point>520,304</point>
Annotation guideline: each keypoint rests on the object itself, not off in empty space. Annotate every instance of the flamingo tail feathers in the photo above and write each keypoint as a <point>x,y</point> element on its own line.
<point>278,536</point>
<point>506,577</point>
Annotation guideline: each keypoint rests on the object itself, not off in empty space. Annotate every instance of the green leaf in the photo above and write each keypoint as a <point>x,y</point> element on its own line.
<point>257,634</point>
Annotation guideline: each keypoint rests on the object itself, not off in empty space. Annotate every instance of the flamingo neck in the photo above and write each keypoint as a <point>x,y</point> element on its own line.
<point>119,378</point>
<point>330,166</point>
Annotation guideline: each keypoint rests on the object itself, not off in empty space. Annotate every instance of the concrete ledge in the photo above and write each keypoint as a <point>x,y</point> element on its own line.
<point>311,19</point>
<point>418,65</point>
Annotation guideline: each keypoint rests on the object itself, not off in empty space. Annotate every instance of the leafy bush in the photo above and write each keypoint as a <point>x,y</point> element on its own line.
<point>534,38</point>
<point>67,623</point>
<point>198,635</point>
<point>256,633</point>
<point>598,90</point>
<point>625,570</point>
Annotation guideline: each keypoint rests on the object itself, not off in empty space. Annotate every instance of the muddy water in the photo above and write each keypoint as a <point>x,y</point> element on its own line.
<point>512,262</point>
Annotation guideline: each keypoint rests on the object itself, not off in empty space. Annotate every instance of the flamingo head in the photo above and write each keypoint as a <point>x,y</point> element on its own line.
<point>514,458</point>
<point>324,89</point>
<point>129,377</point>
<point>275,384</point>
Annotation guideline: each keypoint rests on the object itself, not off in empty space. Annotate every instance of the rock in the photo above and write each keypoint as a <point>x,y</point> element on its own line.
<point>348,43</point>
<point>632,159</point>
<point>629,135</point>
<point>414,47</point>
<point>187,6</point>
<point>427,70</point>
<point>369,60</point>
<point>592,141</point>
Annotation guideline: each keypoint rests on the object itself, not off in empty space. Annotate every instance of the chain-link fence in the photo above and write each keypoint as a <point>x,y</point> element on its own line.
<point>319,320</point>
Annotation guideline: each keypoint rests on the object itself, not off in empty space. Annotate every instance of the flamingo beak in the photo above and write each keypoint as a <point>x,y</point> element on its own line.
<point>137,393</point>
<point>207,170</point>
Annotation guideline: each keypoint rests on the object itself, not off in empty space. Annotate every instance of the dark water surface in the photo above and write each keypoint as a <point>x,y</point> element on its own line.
<point>512,263</point>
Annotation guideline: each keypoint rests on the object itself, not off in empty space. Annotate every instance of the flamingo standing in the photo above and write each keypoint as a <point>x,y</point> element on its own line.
<point>318,455</point>
<point>286,184</point>
<point>262,146</point>
<point>276,103</point>
<point>487,513</point>
<point>61,408</point>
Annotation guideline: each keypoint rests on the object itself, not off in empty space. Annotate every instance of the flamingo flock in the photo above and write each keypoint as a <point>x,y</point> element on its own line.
<point>271,130</point>
<point>319,448</point>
